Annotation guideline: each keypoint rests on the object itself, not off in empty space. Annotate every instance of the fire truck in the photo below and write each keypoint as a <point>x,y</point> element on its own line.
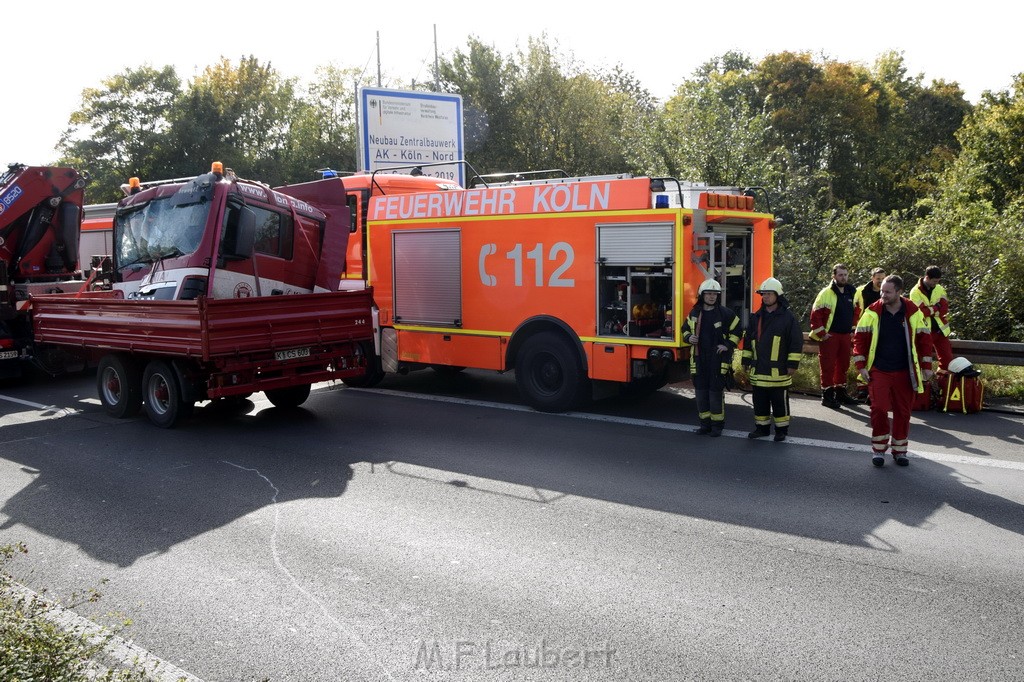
<point>578,284</point>
<point>40,219</point>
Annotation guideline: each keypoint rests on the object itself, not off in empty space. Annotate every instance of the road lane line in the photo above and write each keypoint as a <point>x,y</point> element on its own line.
<point>632,421</point>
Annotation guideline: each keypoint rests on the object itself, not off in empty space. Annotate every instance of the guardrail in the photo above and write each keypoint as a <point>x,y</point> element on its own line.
<point>979,352</point>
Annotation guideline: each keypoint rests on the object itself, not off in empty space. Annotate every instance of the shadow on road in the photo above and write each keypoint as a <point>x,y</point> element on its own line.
<point>122,490</point>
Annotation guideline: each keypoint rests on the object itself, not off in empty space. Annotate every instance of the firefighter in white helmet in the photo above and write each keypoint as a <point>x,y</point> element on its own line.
<point>711,331</point>
<point>772,348</point>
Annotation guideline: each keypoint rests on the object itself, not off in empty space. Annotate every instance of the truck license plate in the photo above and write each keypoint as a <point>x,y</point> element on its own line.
<point>8,354</point>
<point>291,354</point>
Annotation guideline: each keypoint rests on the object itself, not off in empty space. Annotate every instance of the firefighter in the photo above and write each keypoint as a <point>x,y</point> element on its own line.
<point>865,296</point>
<point>892,352</point>
<point>832,326</point>
<point>712,332</point>
<point>772,348</point>
<point>930,297</point>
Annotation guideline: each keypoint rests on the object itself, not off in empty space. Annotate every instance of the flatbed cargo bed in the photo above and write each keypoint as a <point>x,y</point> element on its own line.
<point>203,329</point>
<point>169,355</point>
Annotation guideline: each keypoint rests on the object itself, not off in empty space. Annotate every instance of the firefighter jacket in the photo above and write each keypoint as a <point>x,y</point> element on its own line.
<point>917,336</point>
<point>726,333</point>
<point>772,345</point>
<point>862,298</point>
<point>933,304</point>
<point>823,310</point>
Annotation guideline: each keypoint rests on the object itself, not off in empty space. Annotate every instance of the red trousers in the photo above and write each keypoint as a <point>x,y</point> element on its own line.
<point>890,392</point>
<point>942,349</point>
<point>834,360</point>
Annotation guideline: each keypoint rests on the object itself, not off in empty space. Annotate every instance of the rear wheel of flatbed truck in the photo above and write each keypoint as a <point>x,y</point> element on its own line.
<point>119,385</point>
<point>292,396</point>
<point>162,395</point>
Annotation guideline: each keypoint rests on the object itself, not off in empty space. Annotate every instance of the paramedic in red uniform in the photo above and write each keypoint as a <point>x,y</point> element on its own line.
<point>892,352</point>
<point>832,326</point>
<point>931,298</point>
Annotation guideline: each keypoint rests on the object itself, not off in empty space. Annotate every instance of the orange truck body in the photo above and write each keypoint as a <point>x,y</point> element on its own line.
<point>573,283</point>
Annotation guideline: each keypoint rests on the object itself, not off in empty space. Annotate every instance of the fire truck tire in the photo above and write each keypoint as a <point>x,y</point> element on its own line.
<point>549,373</point>
<point>162,395</point>
<point>374,372</point>
<point>119,385</point>
<point>292,396</point>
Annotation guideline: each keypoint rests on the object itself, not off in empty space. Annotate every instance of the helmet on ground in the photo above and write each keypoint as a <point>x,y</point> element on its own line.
<point>963,367</point>
<point>771,284</point>
<point>711,285</point>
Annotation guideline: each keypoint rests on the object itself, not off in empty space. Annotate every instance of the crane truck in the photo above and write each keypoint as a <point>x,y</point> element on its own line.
<point>40,222</point>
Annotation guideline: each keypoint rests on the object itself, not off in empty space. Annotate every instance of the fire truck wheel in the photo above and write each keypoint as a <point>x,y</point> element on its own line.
<point>549,373</point>
<point>119,385</point>
<point>374,372</point>
<point>292,396</point>
<point>162,395</point>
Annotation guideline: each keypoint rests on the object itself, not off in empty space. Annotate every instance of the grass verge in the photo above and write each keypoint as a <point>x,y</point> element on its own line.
<point>34,647</point>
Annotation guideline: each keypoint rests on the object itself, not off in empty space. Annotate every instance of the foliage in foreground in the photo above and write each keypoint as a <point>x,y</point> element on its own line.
<point>34,648</point>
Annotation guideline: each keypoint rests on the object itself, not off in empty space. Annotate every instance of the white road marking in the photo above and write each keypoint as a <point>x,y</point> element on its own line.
<point>648,423</point>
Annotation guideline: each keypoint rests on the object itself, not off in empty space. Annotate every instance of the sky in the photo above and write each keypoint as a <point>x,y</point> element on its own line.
<point>56,49</point>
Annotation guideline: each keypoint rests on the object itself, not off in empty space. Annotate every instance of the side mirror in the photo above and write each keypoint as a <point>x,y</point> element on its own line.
<point>240,235</point>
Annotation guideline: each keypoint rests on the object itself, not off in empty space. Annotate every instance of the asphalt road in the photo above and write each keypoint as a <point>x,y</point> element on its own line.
<point>435,529</point>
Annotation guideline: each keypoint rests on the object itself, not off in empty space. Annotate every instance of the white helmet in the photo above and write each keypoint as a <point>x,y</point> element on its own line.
<point>711,285</point>
<point>963,366</point>
<point>770,284</point>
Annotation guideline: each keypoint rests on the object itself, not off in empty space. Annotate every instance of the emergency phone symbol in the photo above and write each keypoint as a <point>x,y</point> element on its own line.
<point>486,279</point>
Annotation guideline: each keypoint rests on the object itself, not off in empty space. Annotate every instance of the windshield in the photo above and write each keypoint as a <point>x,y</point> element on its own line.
<point>158,230</point>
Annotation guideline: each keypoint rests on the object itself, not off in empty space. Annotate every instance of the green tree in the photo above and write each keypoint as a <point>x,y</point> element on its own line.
<point>487,82</point>
<point>120,130</point>
<point>323,132</point>
<point>240,115</point>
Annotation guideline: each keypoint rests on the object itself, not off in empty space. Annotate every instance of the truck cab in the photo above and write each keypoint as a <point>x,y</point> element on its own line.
<point>220,236</point>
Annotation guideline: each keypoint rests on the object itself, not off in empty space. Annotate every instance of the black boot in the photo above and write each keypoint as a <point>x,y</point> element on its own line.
<point>760,432</point>
<point>845,398</point>
<point>704,428</point>
<point>828,398</point>
<point>780,433</point>
<point>716,429</point>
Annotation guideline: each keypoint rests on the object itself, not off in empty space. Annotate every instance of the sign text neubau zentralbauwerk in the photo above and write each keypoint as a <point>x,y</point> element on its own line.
<point>399,129</point>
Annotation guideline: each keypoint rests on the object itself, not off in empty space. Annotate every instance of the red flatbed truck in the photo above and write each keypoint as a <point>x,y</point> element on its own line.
<point>168,355</point>
<point>220,287</point>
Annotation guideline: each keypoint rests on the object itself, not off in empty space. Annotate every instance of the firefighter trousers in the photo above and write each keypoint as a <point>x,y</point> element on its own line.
<point>834,360</point>
<point>709,390</point>
<point>771,404</point>
<point>890,392</point>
